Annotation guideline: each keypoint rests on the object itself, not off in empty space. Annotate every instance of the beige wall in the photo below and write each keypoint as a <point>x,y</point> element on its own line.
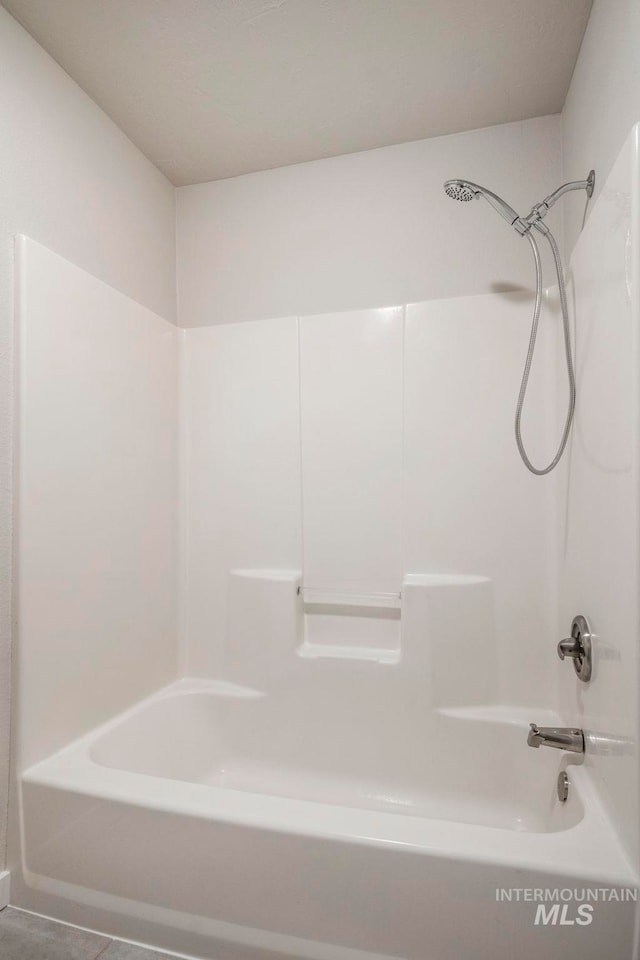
<point>376,221</point>
<point>65,167</point>
<point>364,230</point>
<point>603,102</point>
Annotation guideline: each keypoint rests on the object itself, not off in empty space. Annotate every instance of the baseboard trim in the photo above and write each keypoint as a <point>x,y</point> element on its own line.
<point>5,884</point>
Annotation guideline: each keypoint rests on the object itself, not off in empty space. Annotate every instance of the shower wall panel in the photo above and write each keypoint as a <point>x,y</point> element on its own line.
<point>97,501</point>
<point>470,506</point>
<point>404,430</point>
<point>600,522</point>
<point>241,470</point>
<point>351,428</point>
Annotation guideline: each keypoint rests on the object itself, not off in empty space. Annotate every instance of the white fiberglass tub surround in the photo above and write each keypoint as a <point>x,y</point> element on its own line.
<point>334,808</point>
<point>343,777</point>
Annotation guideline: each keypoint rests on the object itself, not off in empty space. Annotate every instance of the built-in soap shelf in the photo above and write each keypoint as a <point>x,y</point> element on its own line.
<point>350,625</point>
<point>341,598</point>
<point>332,651</point>
<point>444,618</point>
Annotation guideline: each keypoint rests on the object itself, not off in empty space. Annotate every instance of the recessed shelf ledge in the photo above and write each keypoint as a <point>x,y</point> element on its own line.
<point>337,598</point>
<point>322,651</point>
<point>443,580</point>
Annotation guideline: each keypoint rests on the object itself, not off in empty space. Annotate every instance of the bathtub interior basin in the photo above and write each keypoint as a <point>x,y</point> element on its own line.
<point>469,766</point>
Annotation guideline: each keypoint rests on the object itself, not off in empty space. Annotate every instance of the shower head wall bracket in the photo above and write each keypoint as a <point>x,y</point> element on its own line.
<point>540,210</point>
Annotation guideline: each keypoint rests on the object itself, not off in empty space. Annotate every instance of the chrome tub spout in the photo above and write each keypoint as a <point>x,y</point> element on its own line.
<point>562,738</point>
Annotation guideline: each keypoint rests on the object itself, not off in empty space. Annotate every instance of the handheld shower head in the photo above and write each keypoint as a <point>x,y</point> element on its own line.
<point>465,190</point>
<point>459,190</point>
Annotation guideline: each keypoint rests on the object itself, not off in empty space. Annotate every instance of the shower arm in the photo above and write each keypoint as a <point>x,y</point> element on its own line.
<point>541,209</point>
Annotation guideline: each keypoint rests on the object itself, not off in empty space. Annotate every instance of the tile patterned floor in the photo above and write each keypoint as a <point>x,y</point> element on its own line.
<point>24,936</point>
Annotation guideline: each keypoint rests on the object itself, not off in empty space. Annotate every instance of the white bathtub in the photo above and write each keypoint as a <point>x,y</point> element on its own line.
<point>224,823</point>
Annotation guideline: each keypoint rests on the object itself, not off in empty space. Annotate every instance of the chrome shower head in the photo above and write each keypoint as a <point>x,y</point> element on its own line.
<point>459,190</point>
<point>465,190</point>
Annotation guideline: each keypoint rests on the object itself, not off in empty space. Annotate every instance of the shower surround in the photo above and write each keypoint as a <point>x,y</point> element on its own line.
<point>317,749</point>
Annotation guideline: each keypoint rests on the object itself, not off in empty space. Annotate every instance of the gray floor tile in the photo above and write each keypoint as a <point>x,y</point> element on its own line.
<point>24,936</point>
<point>126,951</point>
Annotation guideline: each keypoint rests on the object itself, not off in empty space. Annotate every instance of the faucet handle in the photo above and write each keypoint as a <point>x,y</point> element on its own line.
<point>577,647</point>
<point>571,647</point>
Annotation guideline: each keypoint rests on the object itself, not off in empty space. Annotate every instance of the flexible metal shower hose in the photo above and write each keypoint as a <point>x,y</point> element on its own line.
<point>531,350</point>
